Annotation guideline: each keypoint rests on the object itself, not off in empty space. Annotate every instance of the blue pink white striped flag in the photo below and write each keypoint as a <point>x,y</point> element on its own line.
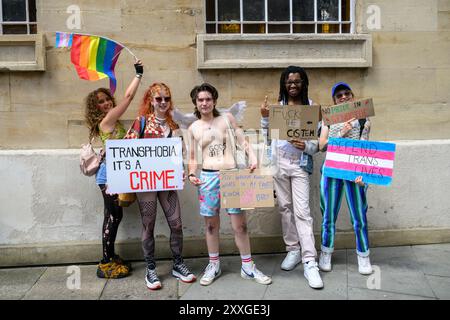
<point>347,159</point>
<point>63,40</point>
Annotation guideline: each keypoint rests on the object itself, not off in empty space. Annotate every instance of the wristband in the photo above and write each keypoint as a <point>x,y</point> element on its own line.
<point>138,75</point>
<point>139,69</point>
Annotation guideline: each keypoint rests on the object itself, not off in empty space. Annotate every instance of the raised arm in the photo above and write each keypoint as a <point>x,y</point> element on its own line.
<point>109,122</point>
<point>323,139</point>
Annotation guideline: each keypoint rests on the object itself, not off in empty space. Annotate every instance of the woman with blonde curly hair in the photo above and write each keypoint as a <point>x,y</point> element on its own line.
<point>156,109</point>
<point>102,117</point>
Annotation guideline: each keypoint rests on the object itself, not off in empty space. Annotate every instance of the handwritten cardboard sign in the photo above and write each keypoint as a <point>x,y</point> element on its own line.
<point>242,189</point>
<point>360,109</point>
<point>143,165</point>
<point>347,159</point>
<point>288,122</point>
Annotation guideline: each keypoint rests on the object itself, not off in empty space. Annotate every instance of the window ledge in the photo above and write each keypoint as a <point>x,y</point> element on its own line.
<point>22,53</point>
<point>225,51</point>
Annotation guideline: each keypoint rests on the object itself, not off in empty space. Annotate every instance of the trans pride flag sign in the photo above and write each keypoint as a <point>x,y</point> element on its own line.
<point>347,159</point>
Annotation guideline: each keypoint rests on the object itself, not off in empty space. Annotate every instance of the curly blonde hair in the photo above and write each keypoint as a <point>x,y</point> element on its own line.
<point>93,115</point>
<point>146,107</point>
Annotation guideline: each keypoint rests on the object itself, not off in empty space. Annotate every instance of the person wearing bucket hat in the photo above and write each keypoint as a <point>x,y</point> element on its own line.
<point>331,189</point>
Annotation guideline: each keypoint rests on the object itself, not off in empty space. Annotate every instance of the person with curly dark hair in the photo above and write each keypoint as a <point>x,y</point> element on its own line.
<point>294,163</point>
<point>102,117</point>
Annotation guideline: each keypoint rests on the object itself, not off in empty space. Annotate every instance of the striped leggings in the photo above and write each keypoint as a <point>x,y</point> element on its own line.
<point>331,190</point>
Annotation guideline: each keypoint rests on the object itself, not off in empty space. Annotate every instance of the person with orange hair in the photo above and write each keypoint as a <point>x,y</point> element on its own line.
<point>156,108</point>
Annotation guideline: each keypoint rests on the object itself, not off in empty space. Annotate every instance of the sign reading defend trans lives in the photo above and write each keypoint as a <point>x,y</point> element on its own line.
<point>143,165</point>
<point>347,159</point>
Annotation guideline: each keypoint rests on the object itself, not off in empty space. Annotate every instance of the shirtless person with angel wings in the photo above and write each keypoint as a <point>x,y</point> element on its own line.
<point>215,134</point>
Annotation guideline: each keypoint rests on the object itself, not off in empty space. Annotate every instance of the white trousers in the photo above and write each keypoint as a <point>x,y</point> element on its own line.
<point>292,189</point>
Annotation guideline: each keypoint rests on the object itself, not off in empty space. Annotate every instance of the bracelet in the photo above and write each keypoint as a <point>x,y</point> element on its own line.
<point>138,75</point>
<point>191,175</point>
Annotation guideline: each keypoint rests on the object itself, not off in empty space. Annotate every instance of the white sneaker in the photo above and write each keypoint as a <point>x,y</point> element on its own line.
<point>256,275</point>
<point>293,258</point>
<point>364,266</point>
<point>212,271</point>
<point>311,272</point>
<point>325,261</point>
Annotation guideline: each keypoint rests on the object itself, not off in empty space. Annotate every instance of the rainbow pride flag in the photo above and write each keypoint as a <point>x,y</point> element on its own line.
<point>94,57</point>
<point>347,159</point>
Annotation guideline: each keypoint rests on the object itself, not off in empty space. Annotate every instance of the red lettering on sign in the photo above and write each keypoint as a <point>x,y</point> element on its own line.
<point>147,180</point>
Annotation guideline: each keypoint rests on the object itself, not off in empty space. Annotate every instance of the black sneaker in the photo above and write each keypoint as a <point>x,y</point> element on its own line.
<point>152,280</point>
<point>181,271</point>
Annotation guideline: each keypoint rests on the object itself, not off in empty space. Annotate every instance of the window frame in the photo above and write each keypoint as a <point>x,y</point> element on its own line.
<point>27,22</point>
<point>291,22</point>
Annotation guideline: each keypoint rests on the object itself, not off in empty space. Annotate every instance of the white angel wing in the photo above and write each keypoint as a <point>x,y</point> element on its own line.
<point>237,110</point>
<point>184,120</point>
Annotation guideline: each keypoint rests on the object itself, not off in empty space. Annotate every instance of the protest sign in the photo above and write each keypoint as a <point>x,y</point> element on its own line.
<point>300,122</point>
<point>242,189</point>
<point>347,159</point>
<point>339,113</point>
<point>143,165</point>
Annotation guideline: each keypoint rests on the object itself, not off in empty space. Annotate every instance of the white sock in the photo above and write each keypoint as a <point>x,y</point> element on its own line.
<point>247,262</point>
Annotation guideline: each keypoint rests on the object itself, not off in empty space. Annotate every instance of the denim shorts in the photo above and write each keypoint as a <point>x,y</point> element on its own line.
<point>209,195</point>
<point>100,176</point>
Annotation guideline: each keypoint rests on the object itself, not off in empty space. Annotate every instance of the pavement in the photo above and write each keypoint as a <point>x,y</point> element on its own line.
<point>419,272</point>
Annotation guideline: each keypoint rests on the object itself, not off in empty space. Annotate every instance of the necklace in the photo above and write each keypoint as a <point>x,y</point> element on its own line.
<point>209,123</point>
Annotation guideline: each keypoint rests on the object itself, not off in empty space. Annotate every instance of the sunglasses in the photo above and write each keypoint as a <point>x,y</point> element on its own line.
<point>160,99</point>
<point>342,94</point>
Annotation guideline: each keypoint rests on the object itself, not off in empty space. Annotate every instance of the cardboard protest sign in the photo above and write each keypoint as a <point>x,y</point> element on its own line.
<point>360,109</point>
<point>242,189</point>
<point>296,121</point>
<point>143,165</point>
<point>347,159</point>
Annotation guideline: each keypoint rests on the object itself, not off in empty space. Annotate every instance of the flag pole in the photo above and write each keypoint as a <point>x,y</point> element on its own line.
<point>85,34</point>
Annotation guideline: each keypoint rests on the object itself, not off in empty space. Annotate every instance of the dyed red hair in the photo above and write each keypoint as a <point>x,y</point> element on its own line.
<point>146,108</point>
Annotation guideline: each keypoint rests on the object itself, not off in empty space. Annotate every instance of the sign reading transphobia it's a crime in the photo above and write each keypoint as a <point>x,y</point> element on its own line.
<point>347,159</point>
<point>143,165</point>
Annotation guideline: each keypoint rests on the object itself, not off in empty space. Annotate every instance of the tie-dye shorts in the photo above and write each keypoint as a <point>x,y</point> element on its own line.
<point>209,195</point>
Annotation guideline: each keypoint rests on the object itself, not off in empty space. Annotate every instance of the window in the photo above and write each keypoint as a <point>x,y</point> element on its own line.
<point>279,16</point>
<point>18,17</point>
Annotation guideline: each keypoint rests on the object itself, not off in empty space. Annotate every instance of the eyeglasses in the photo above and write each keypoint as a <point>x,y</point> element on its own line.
<point>160,99</point>
<point>296,82</point>
<point>340,95</point>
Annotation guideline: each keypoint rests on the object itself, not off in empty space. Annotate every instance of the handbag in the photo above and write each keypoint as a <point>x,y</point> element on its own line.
<point>238,153</point>
<point>127,199</point>
<point>89,159</point>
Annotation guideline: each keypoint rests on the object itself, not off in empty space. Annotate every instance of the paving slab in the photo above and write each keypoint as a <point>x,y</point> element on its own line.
<point>440,286</point>
<point>60,283</point>
<point>292,285</point>
<point>367,294</point>
<point>197,266</point>
<point>133,287</point>
<point>434,258</point>
<point>396,268</point>
<point>230,285</point>
<point>15,283</point>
